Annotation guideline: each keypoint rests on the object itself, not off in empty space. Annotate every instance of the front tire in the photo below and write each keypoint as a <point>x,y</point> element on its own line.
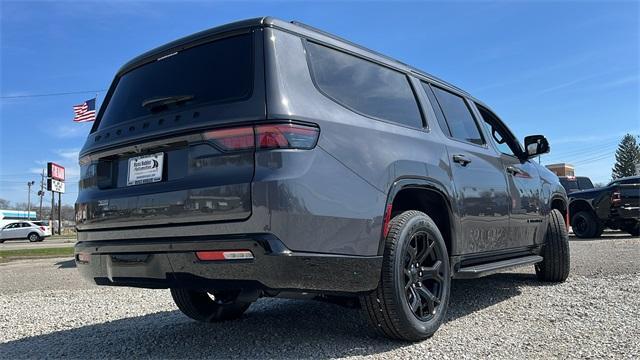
<point>555,251</point>
<point>209,307</point>
<point>585,225</point>
<point>411,300</point>
<point>33,237</point>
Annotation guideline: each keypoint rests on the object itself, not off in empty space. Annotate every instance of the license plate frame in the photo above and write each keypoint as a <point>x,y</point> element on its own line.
<point>145,169</point>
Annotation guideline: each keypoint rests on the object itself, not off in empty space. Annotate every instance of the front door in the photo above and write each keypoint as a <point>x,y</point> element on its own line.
<point>478,175</point>
<point>526,225</point>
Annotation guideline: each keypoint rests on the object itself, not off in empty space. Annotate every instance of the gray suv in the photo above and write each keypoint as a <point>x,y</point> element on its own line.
<point>267,158</point>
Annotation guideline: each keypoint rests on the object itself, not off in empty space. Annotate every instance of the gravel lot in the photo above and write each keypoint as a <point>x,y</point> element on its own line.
<point>47,311</point>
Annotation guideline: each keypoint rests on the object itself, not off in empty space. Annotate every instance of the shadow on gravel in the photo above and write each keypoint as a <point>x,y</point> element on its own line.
<point>272,328</point>
<point>67,264</point>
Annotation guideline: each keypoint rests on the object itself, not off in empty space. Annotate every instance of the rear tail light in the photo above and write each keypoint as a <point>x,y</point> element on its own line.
<point>264,137</point>
<point>615,198</point>
<point>221,255</point>
<point>43,228</point>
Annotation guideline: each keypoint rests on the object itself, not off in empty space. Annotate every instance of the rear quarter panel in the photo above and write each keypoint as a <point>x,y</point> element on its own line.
<point>338,201</point>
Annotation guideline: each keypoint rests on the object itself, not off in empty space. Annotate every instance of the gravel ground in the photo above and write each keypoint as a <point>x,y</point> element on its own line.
<point>47,311</point>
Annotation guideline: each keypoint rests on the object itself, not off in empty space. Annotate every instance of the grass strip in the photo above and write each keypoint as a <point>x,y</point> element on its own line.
<point>37,252</point>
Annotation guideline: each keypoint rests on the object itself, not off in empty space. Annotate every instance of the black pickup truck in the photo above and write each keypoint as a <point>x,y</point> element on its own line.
<point>615,206</point>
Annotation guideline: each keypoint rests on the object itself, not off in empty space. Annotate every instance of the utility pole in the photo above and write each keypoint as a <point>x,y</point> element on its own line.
<point>59,213</point>
<point>41,192</point>
<point>29,184</point>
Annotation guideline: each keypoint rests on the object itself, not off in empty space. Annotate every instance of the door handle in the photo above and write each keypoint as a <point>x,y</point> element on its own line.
<point>461,159</point>
<point>514,170</point>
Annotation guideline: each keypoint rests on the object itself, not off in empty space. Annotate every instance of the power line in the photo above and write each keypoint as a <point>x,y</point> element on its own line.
<point>52,94</point>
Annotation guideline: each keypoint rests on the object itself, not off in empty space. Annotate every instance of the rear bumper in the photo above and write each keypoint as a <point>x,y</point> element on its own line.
<point>161,263</point>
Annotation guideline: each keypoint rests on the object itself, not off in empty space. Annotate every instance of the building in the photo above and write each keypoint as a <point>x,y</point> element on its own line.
<point>562,169</point>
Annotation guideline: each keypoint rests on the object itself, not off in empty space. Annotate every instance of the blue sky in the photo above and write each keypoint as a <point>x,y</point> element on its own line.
<point>569,70</point>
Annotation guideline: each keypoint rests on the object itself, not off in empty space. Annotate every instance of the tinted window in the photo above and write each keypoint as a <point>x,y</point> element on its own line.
<point>502,138</point>
<point>584,183</point>
<point>215,72</point>
<point>569,184</point>
<point>456,112</point>
<point>364,86</point>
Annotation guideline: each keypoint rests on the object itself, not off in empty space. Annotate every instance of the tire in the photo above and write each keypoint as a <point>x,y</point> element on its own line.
<point>400,308</point>
<point>585,225</point>
<point>33,237</point>
<point>555,251</point>
<point>633,230</point>
<point>207,307</point>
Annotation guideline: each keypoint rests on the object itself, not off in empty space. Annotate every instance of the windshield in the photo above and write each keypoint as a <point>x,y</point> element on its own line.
<point>215,72</point>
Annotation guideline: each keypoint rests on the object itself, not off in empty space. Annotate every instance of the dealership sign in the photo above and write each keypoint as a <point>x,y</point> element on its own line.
<point>55,185</point>
<point>55,171</point>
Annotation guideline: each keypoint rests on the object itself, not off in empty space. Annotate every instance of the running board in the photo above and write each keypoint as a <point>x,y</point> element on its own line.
<point>476,271</point>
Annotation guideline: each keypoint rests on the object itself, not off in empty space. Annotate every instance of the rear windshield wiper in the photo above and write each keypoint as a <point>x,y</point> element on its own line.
<point>160,102</point>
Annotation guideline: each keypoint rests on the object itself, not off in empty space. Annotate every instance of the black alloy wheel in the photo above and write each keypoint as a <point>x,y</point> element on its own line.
<point>423,275</point>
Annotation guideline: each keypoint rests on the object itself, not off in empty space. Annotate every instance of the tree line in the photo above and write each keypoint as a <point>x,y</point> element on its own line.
<point>67,211</point>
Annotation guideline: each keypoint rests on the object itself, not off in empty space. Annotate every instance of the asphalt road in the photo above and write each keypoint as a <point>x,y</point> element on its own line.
<point>46,310</point>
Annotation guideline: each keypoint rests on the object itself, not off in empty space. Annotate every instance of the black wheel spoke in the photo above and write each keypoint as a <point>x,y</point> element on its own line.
<point>426,251</point>
<point>431,272</point>
<point>412,253</point>
<point>415,303</point>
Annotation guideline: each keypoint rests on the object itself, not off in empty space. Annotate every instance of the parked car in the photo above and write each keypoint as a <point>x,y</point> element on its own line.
<point>44,225</point>
<point>23,230</point>
<point>575,183</point>
<point>615,206</point>
<point>284,161</point>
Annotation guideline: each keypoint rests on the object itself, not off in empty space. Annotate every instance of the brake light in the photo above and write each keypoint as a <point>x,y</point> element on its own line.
<point>286,136</point>
<point>43,228</point>
<point>615,198</point>
<point>241,138</point>
<point>265,137</point>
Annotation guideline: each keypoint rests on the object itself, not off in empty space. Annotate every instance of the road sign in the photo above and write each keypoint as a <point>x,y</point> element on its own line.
<point>55,171</point>
<point>55,185</point>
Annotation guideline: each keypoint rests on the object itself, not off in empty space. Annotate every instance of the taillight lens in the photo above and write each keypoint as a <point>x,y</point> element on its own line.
<point>241,138</point>
<point>43,228</point>
<point>615,198</point>
<point>264,137</point>
<point>286,136</point>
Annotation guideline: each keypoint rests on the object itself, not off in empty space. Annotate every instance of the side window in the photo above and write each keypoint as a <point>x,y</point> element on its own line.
<point>364,86</point>
<point>504,140</point>
<point>462,125</point>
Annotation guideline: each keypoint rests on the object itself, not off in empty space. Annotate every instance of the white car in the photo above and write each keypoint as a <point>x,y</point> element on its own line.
<point>23,230</point>
<point>44,225</point>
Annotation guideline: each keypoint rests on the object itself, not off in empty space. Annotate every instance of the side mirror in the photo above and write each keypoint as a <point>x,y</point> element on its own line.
<point>536,145</point>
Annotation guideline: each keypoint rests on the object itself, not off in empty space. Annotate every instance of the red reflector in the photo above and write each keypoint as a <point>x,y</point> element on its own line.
<point>232,139</point>
<point>387,219</point>
<point>219,255</point>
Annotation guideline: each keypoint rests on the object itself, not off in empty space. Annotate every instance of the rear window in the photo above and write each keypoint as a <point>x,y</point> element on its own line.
<point>585,183</point>
<point>364,86</point>
<point>569,184</point>
<point>215,72</point>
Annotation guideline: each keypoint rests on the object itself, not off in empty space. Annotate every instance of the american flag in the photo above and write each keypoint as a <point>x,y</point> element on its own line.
<point>85,111</point>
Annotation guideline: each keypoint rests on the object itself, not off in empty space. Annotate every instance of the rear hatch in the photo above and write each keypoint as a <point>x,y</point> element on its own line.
<point>159,153</point>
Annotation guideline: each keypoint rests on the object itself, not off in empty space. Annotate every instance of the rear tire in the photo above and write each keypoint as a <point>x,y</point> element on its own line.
<point>33,237</point>
<point>555,251</point>
<point>411,300</point>
<point>207,307</point>
<point>633,230</point>
<point>585,225</point>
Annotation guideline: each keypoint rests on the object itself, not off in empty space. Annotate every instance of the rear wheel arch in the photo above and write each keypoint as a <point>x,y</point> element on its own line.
<point>579,205</point>
<point>427,196</point>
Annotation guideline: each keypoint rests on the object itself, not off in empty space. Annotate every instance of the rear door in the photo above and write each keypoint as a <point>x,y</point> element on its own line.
<point>526,220</point>
<point>478,175</point>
